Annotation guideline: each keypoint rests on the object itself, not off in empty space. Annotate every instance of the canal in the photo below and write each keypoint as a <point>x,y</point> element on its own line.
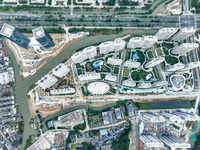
<point>22,86</point>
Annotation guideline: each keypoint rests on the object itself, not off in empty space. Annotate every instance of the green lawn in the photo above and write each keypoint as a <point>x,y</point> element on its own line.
<point>138,75</point>
<point>171,60</point>
<point>128,55</point>
<point>168,45</point>
<point>156,72</point>
<point>150,54</point>
<point>116,70</point>
<point>159,52</point>
<point>126,72</point>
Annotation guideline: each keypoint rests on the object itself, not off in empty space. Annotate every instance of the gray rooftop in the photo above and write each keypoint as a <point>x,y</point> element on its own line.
<point>7,30</point>
<point>38,32</point>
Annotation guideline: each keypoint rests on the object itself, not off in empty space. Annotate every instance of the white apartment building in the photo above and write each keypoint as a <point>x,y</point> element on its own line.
<point>149,41</point>
<point>153,117</point>
<point>135,42</point>
<point>89,76</point>
<point>191,65</point>
<point>4,78</point>
<point>151,141</point>
<point>63,91</point>
<point>183,34</point>
<point>165,33</point>
<point>119,44</point>
<point>111,77</point>
<point>173,142</point>
<point>61,70</point>
<point>154,62</point>
<point>159,83</point>
<point>132,64</point>
<point>106,47</point>
<point>129,82</point>
<point>184,48</point>
<point>170,117</point>
<point>114,61</point>
<point>144,85</point>
<point>47,81</point>
<point>88,52</point>
<point>175,67</point>
<point>143,42</point>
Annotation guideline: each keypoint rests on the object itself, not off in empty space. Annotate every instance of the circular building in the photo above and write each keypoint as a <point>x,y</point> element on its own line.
<point>177,82</point>
<point>98,88</point>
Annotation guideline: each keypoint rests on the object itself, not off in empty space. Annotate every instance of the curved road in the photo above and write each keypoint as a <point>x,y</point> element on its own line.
<point>22,86</point>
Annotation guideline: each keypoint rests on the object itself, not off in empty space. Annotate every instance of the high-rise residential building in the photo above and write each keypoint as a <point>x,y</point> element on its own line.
<point>47,81</point>
<point>183,34</point>
<point>114,61</point>
<point>43,37</point>
<point>89,76</point>
<point>154,62</point>
<point>159,83</point>
<point>175,67</point>
<point>111,77</point>
<point>165,33</point>
<point>132,64</point>
<point>153,117</point>
<point>61,70</point>
<point>15,35</point>
<point>119,44</point>
<point>184,48</point>
<point>151,141</point>
<point>149,41</point>
<point>173,142</point>
<point>191,65</point>
<point>144,85</point>
<point>141,42</point>
<point>135,42</point>
<point>88,52</point>
<point>106,47</point>
<point>129,82</point>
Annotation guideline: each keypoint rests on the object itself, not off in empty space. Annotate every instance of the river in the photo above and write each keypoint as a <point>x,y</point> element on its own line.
<point>22,86</point>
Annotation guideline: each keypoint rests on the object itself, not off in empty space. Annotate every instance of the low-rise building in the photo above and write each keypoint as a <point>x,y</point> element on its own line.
<point>105,116</point>
<point>118,113</point>
<point>4,78</point>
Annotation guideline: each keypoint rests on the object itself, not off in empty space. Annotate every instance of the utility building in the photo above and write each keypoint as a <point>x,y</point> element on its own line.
<point>184,48</point>
<point>43,37</point>
<point>15,35</point>
<point>183,34</point>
